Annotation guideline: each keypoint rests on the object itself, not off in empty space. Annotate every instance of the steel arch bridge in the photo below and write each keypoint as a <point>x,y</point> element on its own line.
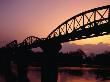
<point>29,42</point>
<point>91,23</point>
<point>88,24</point>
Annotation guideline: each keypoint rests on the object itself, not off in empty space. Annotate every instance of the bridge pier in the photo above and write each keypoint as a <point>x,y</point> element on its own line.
<point>49,70</point>
<point>49,73</point>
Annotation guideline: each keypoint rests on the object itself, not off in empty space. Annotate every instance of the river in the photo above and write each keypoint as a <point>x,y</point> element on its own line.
<point>72,74</point>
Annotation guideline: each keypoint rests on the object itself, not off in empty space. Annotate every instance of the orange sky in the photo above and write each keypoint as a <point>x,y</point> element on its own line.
<point>22,18</point>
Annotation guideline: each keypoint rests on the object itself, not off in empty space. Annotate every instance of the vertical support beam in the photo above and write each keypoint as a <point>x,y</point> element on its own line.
<point>31,40</point>
<point>109,14</point>
<point>54,34</point>
<point>74,25</point>
<point>108,29</point>
<point>83,20</point>
<point>95,24</point>
<point>59,32</point>
<point>83,28</point>
<point>66,28</point>
<point>94,18</point>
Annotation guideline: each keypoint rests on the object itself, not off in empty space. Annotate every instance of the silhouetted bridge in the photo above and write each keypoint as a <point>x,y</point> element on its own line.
<point>88,24</point>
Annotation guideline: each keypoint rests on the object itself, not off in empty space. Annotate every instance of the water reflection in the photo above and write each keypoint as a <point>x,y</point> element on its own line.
<point>72,74</point>
<point>34,75</point>
<point>102,74</point>
<point>84,75</point>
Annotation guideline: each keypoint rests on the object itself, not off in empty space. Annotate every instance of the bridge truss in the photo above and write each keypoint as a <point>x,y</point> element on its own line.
<point>83,25</point>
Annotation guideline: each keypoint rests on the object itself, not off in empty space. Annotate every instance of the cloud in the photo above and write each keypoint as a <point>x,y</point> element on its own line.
<point>87,48</point>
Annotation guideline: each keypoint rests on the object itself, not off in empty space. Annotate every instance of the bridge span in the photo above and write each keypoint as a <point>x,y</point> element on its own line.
<point>88,24</point>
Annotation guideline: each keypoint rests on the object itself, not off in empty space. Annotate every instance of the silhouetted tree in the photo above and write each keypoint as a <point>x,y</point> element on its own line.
<point>73,58</point>
<point>102,59</point>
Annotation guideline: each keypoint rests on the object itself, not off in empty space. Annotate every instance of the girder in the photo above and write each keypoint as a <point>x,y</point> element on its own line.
<point>12,44</point>
<point>30,41</point>
<point>91,23</point>
<point>88,19</point>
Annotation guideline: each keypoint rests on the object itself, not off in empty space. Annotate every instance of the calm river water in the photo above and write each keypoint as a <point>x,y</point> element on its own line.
<point>72,74</point>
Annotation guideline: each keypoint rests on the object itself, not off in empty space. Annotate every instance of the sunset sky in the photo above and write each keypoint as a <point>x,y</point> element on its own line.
<point>22,18</point>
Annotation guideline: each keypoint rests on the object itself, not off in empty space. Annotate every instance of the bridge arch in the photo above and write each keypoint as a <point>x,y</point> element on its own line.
<point>83,25</point>
<point>31,42</point>
<point>12,44</point>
